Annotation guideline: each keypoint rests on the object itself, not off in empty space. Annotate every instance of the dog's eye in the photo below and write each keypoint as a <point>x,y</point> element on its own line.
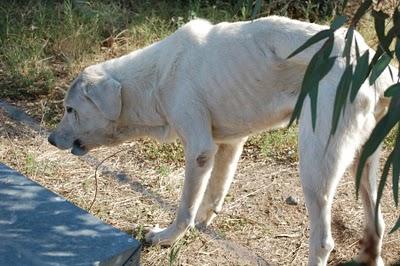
<point>69,109</point>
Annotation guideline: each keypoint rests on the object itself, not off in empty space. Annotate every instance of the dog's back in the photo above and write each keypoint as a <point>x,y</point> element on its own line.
<point>241,71</point>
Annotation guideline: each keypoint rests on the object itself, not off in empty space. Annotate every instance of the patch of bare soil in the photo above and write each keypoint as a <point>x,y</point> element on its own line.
<point>256,227</point>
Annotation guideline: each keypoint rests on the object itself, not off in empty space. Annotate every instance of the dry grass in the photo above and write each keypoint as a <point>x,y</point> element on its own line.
<point>137,192</point>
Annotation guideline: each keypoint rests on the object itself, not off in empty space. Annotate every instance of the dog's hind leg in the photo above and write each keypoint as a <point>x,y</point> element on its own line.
<point>225,164</point>
<point>319,183</point>
<point>321,168</point>
<point>371,243</point>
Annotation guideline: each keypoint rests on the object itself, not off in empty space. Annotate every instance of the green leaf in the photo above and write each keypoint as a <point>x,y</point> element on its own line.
<point>238,5</point>
<point>380,131</point>
<point>249,7</point>
<point>357,49</point>
<point>396,168</point>
<point>313,99</point>
<point>397,52</point>
<point>319,66</point>
<point>379,21</point>
<point>347,47</point>
<point>321,69</point>
<point>393,90</point>
<point>344,5</point>
<point>297,108</point>
<point>338,22</point>
<point>381,187</point>
<point>307,84</point>
<point>396,16</point>
<point>314,39</point>
<point>324,70</point>
<point>310,81</point>
<point>379,67</point>
<point>390,72</point>
<point>396,226</point>
<point>361,11</point>
<point>387,40</point>
<point>392,113</point>
<point>341,96</point>
<point>377,55</point>
<point>397,48</point>
<point>360,74</point>
<point>256,9</point>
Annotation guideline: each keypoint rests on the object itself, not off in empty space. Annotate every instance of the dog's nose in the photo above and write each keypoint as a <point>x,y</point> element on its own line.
<point>51,140</point>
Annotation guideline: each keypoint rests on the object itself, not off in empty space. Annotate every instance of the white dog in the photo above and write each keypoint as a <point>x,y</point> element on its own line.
<point>214,85</point>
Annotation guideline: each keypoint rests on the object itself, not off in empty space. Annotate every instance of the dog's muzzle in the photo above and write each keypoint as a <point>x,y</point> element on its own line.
<point>78,148</point>
<point>51,140</point>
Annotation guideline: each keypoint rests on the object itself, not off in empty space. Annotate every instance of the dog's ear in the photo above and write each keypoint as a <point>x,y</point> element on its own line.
<point>105,93</point>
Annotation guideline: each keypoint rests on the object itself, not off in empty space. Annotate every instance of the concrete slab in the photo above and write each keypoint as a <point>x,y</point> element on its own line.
<point>38,227</point>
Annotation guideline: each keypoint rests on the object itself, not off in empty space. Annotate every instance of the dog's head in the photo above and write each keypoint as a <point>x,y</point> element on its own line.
<point>92,107</point>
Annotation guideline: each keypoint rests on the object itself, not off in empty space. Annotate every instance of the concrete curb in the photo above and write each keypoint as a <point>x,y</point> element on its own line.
<point>37,227</point>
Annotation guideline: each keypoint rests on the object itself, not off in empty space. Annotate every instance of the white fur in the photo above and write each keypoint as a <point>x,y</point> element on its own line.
<point>214,85</point>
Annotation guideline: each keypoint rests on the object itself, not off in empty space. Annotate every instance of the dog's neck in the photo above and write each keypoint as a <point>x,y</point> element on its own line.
<point>137,73</point>
<point>137,68</point>
<point>163,134</point>
<point>141,114</point>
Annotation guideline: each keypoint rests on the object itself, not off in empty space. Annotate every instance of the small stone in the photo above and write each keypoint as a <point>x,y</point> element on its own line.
<point>292,200</point>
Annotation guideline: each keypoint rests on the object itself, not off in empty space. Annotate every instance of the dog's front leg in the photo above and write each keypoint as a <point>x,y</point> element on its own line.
<point>225,163</point>
<point>199,157</point>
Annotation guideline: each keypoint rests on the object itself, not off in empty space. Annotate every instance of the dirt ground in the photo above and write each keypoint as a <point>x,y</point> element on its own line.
<point>135,191</point>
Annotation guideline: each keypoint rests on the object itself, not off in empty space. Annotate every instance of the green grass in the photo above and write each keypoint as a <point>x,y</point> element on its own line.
<point>44,44</point>
<point>280,145</point>
<point>30,164</point>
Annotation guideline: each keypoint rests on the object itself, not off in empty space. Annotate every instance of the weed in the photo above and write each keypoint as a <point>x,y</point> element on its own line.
<point>139,232</point>
<point>173,255</point>
<point>164,170</point>
<point>30,164</point>
<point>176,248</point>
<point>280,145</point>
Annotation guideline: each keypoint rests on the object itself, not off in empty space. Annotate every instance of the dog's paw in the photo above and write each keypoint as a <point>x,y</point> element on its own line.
<point>161,236</point>
<point>365,259</point>
<point>204,217</point>
<point>370,251</point>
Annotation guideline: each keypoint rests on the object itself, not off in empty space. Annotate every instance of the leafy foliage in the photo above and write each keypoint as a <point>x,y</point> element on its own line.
<point>320,64</point>
<point>351,81</point>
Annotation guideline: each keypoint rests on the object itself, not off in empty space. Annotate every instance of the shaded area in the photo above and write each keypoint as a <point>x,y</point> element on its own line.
<point>20,116</point>
<point>37,227</point>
